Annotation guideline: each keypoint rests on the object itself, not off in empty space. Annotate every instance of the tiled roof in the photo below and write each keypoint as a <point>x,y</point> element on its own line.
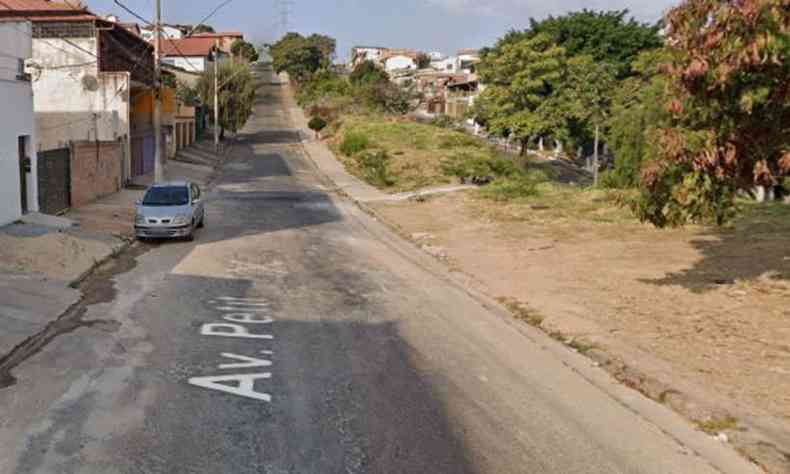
<point>30,6</point>
<point>193,46</point>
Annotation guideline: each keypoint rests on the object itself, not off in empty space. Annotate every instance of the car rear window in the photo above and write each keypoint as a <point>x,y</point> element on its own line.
<point>166,196</point>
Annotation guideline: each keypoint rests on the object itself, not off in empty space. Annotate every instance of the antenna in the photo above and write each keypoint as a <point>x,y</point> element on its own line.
<point>284,10</point>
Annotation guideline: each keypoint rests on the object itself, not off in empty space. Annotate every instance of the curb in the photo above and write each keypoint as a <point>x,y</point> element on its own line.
<point>126,244</point>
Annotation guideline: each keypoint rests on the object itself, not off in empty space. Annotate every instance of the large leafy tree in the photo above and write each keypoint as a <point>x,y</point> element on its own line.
<point>638,109</point>
<point>301,57</point>
<point>236,93</point>
<point>367,72</point>
<point>521,78</point>
<point>608,36</point>
<point>729,78</point>
<point>244,49</point>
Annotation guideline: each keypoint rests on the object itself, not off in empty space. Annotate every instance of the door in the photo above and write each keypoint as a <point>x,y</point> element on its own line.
<point>54,180</point>
<point>24,168</point>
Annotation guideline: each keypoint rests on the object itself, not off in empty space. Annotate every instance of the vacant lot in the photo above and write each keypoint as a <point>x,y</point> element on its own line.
<point>707,309</point>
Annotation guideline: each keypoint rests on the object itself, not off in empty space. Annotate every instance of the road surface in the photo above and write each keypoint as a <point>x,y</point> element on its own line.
<point>298,335</point>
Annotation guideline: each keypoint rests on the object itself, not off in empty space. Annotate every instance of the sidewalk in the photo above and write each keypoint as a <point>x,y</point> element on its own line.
<point>42,257</point>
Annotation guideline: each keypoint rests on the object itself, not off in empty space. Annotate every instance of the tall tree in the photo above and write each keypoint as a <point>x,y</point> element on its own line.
<point>520,78</point>
<point>245,50</point>
<point>326,45</point>
<point>297,56</point>
<point>730,83</point>
<point>236,94</point>
<point>608,36</point>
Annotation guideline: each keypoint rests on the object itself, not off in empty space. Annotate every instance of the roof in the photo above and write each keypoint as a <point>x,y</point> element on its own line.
<point>43,10</point>
<point>221,34</point>
<point>163,184</point>
<point>468,52</point>
<point>39,6</point>
<point>192,46</point>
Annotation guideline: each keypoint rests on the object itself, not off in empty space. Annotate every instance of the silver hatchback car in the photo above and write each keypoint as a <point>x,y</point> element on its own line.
<point>170,210</point>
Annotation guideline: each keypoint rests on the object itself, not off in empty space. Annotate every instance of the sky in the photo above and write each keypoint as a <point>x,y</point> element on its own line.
<point>426,25</point>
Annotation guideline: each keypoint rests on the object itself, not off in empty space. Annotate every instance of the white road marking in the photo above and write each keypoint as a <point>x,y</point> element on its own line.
<point>234,298</point>
<point>234,330</point>
<point>237,308</point>
<point>247,318</point>
<point>249,362</point>
<point>241,304</point>
<point>245,387</point>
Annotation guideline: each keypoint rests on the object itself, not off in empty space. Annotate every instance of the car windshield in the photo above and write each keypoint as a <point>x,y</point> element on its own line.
<point>166,196</point>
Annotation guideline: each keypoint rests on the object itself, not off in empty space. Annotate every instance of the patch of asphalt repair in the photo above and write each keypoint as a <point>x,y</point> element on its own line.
<point>96,288</point>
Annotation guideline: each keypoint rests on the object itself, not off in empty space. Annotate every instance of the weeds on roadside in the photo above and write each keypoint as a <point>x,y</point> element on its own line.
<point>353,143</point>
<point>374,165</point>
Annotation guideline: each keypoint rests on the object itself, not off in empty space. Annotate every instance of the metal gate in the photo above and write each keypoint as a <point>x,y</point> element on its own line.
<point>54,180</point>
<point>143,154</point>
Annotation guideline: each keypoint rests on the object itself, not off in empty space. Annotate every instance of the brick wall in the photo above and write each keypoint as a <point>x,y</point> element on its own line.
<point>63,29</point>
<point>95,170</point>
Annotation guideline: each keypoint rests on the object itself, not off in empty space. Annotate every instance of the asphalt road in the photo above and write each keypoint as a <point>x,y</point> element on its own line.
<point>298,335</point>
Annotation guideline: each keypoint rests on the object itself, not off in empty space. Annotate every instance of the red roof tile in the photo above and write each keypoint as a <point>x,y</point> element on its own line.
<point>29,6</point>
<point>193,46</point>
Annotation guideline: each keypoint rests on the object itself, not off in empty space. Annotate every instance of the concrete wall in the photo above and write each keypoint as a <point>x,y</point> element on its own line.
<point>16,97</point>
<point>73,100</point>
<point>190,63</point>
<point>96,170</point>
<point>400,62</point>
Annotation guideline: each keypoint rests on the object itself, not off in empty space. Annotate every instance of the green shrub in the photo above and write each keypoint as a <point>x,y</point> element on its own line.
<point>443,121</point>
<point>317,124</point>
<point>459,140</point>
<point>471,168</point>
<point>374,165</point>
<point>353,143</point>
<point>518,186</point>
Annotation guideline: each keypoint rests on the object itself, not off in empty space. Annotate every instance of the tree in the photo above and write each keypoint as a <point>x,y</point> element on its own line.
<point>317,124</point>
<point>521,78</point>
<point>201,28</point>
<point>327,47</point>
<point>367,72</point>
<point>729,80</point>
<point>423,61</point>
<point>638,109</point>
<point>236,94</point>
<point>606,36</point>
<point>585,97</point>
<point>297,56</point>
<point>243,49</point>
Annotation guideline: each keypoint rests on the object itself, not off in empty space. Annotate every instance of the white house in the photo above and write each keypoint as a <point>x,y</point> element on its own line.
<point>194,54</point>
<point>399,59</point>
<point>18,164</point>
<point>366,53</point>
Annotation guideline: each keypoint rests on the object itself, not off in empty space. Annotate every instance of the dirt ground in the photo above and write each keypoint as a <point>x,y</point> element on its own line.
<point>705,311</point>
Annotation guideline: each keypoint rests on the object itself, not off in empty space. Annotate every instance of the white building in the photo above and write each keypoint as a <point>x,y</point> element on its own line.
<point>194,54</point>
<point>18,164</point>
<point>366,53</point>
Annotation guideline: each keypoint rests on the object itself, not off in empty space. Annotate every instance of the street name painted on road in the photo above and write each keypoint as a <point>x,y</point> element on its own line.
<point>238,311</point>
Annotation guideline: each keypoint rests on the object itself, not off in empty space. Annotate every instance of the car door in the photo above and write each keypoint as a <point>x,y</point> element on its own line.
<point>197,199</point>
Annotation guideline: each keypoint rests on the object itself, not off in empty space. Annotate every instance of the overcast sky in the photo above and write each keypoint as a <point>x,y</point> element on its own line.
<point>430,25</point>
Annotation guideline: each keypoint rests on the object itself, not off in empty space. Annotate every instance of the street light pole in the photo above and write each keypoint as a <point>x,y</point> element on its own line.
<point>158,168</point>
<point>216,96</point>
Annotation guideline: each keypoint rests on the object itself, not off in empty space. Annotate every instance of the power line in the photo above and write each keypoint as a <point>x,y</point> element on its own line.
<point>131,12</point>
<point>284,9</point>
<point>204,20</point>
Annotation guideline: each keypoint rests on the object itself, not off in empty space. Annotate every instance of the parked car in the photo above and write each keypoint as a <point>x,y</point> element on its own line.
<point>170,210</point>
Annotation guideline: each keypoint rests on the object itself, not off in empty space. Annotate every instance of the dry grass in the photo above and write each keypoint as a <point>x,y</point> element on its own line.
<point>718,425</point>
<point>416,150</point>
<point>521,311</point>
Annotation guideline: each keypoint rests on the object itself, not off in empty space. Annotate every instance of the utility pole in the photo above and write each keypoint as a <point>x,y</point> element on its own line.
<point>158,167</point>
<point>216,95</point>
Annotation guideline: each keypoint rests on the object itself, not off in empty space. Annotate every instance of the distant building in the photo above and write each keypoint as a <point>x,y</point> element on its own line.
<point>361,54</point>
<point>399,59</point>
<point>194,54</point>
<point>226,39</point>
